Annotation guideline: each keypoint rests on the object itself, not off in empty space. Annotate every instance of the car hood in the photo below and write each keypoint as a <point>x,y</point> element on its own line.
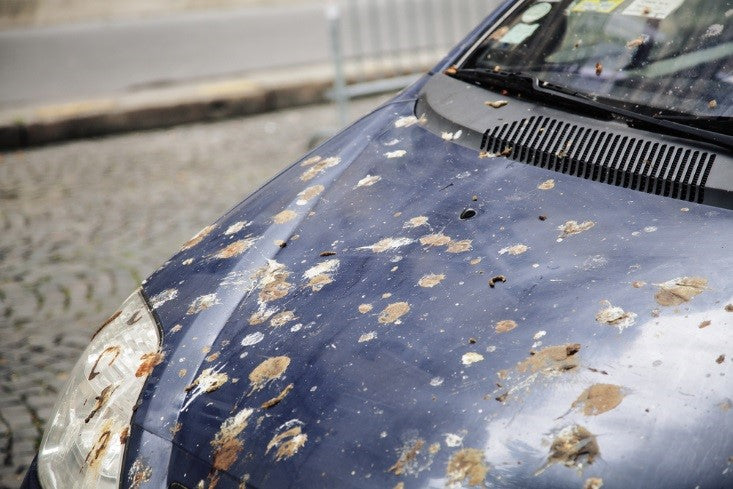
<point>396,309</point>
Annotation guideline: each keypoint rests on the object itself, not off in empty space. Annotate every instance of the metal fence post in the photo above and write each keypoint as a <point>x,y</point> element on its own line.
<point>333,14</point>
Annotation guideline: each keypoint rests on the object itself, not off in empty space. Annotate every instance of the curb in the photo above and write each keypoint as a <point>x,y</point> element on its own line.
<point>164,107</point>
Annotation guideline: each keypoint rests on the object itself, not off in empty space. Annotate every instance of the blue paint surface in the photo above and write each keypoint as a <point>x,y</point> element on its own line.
<point>363,404</point>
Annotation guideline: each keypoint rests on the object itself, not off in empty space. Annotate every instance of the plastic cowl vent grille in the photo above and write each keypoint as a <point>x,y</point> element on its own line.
<point>601,156</point>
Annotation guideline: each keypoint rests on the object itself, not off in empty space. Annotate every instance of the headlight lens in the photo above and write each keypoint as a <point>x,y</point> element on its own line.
<point>85,438</point>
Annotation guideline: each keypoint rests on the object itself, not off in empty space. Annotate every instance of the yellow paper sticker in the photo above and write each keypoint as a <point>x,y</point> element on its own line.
<point>602,6</point>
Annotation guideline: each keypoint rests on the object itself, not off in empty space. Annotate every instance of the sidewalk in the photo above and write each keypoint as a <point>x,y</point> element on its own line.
<point>102,77</point>
<point>164,107</point>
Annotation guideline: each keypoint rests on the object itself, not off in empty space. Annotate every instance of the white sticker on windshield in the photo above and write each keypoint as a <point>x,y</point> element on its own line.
<point>536,12</point>
<point>653,9</point>
<point>519,33</point>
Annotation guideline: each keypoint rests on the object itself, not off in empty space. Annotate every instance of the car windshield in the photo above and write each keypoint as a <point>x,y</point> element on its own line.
<point>653,56</point>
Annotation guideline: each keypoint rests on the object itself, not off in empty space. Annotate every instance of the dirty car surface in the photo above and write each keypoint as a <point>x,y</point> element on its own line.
<point>473,286</point>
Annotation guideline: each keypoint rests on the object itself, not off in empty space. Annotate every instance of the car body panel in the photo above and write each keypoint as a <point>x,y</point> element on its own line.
<point>444,394</point>
<point>376,401</point>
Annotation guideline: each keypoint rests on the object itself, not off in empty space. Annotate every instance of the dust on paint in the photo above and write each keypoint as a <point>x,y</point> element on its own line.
<point>317,166</point>
<point>227,445</point>
<point>148,361</point>
<point>575,447</point>
<point>282,318</point>
<point>162,297</point>
<point>236,227</point>
<point>593,483</point>
<point>547,185</point>
<point>413,458</point>
<point>387,244</point>
<point>430,280</point>
<point>253,338</point>
<point>321,274</point>
<point>680,290</point>
<point>278,399</point>
<point>284,216</point>
<point>202,303</point>
<point>267,371</point>
<point>288,442</point>
<point>139,474</point>
<point>551,360</point>
<point>461,246</point>
<point>516,249</point>
<point>198,237</point>
<point>307,194</point>
<point>406,121</point>
<point>574,227</point>
<point>471,357</point>
<point>436,239</point>
<point>234,249</point>
<point>415,222</point>
<point>599,398</point>
<point>368,181</point>
<point>451,136</point>
<point>615,316</point>
<point>271,280</point>
<point>440,239</point>
<point>505,325</point>
<point>367,337</point>
<point>209,380</point>
<point>393,312</point>
<point>467,466</point>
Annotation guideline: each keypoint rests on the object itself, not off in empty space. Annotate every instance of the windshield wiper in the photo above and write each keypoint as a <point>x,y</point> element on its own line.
<point>719,124</point>
<point>545,92</point>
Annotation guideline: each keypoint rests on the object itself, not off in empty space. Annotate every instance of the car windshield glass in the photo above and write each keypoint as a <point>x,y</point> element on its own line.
<point>657,57</point>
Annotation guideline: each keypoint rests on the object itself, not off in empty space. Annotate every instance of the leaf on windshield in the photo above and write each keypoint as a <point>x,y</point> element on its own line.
<point>635,43</point>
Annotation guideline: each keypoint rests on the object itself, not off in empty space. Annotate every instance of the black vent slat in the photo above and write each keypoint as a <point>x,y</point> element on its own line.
<point>698,180</point>
<point>622,169</point>
<point>654,186</point>
<point>580,165</point>
<point>603,156</point>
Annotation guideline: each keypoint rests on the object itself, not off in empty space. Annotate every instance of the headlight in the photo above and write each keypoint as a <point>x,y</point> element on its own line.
<point>85,438</point>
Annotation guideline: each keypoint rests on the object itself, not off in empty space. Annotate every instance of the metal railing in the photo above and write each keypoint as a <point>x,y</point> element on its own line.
<point>383,45</point>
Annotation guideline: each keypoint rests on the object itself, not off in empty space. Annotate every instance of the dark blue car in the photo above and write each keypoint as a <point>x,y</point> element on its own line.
<point>516,273</point>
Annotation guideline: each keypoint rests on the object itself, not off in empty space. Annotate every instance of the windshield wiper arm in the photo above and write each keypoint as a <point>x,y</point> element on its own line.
<point>548,92</point>
<point>721,124</point>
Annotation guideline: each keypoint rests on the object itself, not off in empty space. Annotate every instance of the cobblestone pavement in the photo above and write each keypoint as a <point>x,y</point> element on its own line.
<point>81,224</point>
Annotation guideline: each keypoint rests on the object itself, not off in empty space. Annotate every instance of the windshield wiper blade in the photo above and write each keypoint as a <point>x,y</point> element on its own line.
<point>721,124</point>
<point>555,94</point>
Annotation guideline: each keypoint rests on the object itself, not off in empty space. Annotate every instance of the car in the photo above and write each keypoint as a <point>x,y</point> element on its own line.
<point>515,273</point>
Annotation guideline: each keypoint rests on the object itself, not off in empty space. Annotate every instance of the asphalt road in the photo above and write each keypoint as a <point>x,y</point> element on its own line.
<point>81,224</point>
<point>82,61</point>
<point>86,60</point>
